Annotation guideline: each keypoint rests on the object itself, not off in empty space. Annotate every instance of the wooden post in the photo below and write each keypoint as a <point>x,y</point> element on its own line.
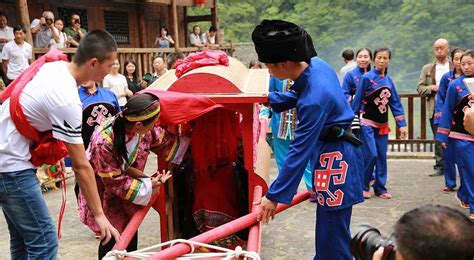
<point>174,19</point>
<point>142,26</point>
<point>22,7</point>
<point>214,18</point>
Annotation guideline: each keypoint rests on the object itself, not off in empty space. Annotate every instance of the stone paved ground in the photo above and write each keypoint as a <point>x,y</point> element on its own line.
<point>290,235</point>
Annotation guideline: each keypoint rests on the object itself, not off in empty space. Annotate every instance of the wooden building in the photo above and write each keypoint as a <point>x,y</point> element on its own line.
<point>133,23</point>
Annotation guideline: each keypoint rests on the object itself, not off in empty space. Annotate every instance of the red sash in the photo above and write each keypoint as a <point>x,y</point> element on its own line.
<point>45,149</point>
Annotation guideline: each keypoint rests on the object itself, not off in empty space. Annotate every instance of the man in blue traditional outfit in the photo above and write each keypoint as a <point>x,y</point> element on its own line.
<point>322,136</point>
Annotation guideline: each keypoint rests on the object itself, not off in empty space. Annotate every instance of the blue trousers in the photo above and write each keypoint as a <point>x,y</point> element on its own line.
<point>333,234</point>
<point>32,233</point>
<point>464,151</point>
<point>449,165</point>
<point>280,149</point>
<point>375,154</point>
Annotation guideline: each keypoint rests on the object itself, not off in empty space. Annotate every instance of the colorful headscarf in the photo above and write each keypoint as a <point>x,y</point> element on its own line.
<point>151,111</point>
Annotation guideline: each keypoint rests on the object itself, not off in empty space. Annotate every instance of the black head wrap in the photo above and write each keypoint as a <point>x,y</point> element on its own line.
<point>279,41</point>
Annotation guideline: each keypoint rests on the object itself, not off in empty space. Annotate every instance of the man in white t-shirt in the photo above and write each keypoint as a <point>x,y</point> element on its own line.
<point>6,35</point>
<point>427,86</point>
<point>50,101</point>
<point>16,55</point>
<point>209,38</point>
<point>195,37</point>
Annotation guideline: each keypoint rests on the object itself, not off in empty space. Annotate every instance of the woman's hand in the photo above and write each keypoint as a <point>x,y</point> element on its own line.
<point>444,145</point>
<point>160,178</point>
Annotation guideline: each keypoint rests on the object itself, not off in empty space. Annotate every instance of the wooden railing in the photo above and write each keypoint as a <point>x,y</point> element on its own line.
<point>143,57</point>
<point>419,140</point>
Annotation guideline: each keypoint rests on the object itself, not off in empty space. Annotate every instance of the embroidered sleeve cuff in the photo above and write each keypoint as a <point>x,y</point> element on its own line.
<point>178,150</point>
<point>400,120</point>
<point>442,134</point>
<point>141,194</point>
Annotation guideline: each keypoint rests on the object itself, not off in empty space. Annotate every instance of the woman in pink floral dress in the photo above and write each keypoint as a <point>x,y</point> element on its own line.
<point>118,152</point>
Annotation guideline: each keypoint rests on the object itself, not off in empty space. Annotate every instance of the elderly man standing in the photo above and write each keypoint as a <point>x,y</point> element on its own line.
<point>428,87</point>
<point>44,30</point>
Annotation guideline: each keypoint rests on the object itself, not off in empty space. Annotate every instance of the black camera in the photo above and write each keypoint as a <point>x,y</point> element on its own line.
<point>367,239</point>
<point>77,21</point>
<point>49,21</point>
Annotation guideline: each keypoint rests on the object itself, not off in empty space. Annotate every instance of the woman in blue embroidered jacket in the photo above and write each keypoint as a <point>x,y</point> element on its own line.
<point>451,126</point>
<point>352,79</point>
<point>376,91</point>
<point>448,154</point>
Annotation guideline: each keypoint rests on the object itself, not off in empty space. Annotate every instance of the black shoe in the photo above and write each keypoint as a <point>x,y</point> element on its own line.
<point>437,173</point>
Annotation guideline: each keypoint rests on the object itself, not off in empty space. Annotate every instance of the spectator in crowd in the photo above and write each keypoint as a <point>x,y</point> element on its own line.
<point>75,32</point>
<point>16,55</point>
<point>173,57</point>
<point>448,153</point>
<point>117,83</point>
<point>375,93</point>
<point>98,104</point>
<point>255,64</point>
<point>428,85</point>
<point>63,39</point>
<point>164,40</point>
<point>6,35</point>
<point>159,67</point>
<point>432,232</point>
<point>195,37</point>
<point>130,72</point>
<point>348,58</point>
<point>209,38</point>
<point>451,131</point>
<point>44,30</point>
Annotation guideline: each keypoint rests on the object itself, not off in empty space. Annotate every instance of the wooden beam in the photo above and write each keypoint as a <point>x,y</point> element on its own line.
<point>142,26</point>
<point>215,19</point>
<point>186,22</point>
<point>199,18</point>
<point>22,7</point>
<point>174,23</point>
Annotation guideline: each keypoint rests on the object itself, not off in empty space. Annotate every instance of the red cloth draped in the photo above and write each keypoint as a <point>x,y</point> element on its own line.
<point>215,140</point>
<point>45,149</point>
<point>178,108</point>
<point>201,59</point>
<point>214,147</point>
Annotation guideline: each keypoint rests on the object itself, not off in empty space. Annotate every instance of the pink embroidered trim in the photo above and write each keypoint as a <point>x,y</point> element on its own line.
<point>443,130</point>
<point>400,118</point>
<point>461,136</point>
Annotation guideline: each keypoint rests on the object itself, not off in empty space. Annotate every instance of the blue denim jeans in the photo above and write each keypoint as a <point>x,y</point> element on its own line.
<point>32,233</point>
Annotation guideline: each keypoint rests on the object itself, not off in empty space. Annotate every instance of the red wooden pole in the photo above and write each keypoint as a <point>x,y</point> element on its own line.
<point>133,225</point>
<point>255,232</point>
<point>224,230</point>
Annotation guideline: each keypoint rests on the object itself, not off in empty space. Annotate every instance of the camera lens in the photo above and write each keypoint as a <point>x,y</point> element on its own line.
<point>367,240</point>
